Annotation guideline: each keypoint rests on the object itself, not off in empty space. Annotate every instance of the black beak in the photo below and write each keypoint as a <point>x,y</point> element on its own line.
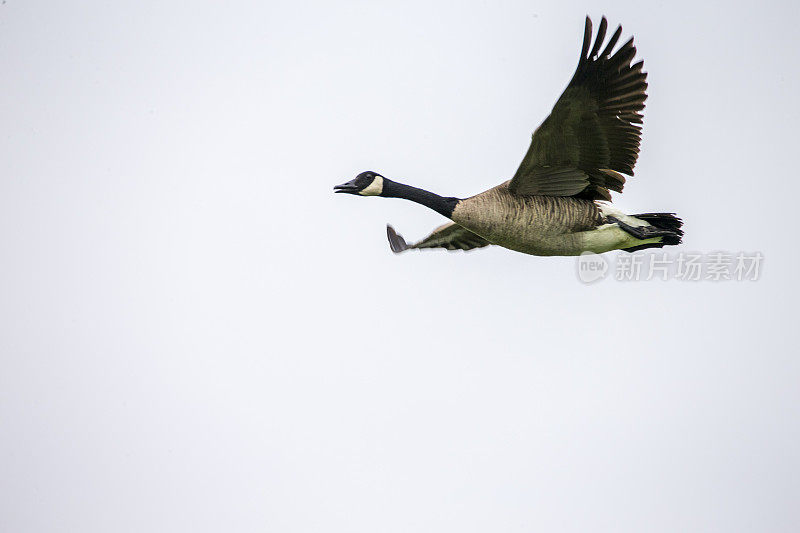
<point>349,187</point>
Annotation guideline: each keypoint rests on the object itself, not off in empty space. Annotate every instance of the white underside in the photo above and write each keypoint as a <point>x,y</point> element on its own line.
<point>606,209</point>
<point>611,237</point>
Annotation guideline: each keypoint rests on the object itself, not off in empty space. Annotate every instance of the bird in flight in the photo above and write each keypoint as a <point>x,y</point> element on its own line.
<point>558,202</point>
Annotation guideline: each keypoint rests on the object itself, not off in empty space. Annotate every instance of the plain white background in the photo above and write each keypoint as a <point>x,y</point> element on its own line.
<point>197,335</point>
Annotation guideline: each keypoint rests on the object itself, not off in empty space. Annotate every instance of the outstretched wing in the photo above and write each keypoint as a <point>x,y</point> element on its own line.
<point>450,236</point>
<point>592,135</point>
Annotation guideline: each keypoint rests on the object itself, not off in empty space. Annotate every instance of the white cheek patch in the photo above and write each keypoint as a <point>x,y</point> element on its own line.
<point>374,188</point>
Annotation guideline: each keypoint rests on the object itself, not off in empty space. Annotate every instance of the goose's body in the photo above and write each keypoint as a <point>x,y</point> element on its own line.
<point>546,225</point>
<point>558,202</point>
<point>538,225</point>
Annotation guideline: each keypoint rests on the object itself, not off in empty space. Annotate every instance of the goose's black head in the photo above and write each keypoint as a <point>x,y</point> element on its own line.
<point>366,184</point>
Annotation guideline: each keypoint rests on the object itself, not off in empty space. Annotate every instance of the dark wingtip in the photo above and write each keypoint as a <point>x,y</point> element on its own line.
<point>587,38</point>
<point>612,42</point>
<point>396,242</point>
<point>598,41</point>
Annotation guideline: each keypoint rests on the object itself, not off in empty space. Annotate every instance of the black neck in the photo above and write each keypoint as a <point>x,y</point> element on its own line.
<point>440,204</point>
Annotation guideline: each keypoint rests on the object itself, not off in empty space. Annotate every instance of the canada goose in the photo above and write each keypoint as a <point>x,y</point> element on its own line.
<point>558,202</point>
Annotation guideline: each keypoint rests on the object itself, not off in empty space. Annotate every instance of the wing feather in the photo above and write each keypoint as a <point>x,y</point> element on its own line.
<point>450,236</point>
<point>592,135</point>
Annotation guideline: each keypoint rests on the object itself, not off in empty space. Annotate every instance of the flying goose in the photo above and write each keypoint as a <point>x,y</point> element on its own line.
<point>558,202</point>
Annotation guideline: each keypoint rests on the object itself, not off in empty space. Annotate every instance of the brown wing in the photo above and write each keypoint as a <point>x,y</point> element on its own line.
<point>450,236</point>
<point>592,135</point>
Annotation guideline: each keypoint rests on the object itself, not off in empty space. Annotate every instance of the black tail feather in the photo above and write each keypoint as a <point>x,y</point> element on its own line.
<point>666,221</point>
<point>670,227</point>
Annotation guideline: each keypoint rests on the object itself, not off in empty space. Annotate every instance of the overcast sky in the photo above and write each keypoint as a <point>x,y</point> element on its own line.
<point>197,335</point>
